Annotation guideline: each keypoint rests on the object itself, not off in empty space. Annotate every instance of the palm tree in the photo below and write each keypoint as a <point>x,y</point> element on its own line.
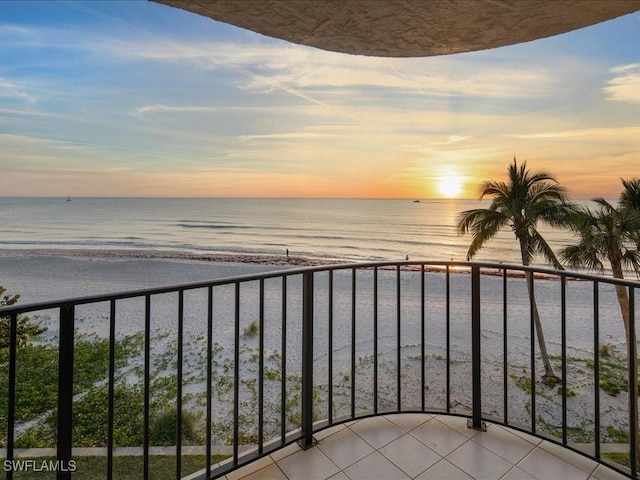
<point>608,234</point>
<point>630,199</point>
<point>520,204</point>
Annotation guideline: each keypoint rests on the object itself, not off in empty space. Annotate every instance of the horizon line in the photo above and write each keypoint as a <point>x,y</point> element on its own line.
<point>414,199</point>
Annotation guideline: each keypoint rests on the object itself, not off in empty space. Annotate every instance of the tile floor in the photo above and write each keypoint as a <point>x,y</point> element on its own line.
<point>423,447</point>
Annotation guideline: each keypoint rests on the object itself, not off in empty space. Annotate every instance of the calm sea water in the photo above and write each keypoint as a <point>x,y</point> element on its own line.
<point>346,229</point>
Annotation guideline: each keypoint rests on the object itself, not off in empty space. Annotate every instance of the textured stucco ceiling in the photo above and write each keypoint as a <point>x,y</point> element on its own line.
<point>408,28</point>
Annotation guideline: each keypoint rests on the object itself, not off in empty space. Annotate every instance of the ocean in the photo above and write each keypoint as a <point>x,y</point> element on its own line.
<point>346,229</point>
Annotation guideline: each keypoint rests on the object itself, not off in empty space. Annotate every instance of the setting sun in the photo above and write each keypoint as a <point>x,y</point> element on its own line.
<point>450,186</point>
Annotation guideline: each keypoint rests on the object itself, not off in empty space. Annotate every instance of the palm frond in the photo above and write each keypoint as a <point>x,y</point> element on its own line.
<point>631,260</point>
<point>605,233</point>
<point>630,196</point>
<point>541,247</point>
<point>483,224</point>
<point>604,205</point>
<point>578,256</point>
<point>494,190</point>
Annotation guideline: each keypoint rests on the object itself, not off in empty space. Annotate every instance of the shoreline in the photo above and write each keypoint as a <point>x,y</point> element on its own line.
<point>276,260</point>
<point>252,258</point>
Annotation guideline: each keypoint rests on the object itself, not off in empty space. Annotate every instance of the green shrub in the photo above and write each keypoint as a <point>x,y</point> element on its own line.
<point>617,435</point>
<point>162,430</point>
<point>570,393</point>
<point>26,328</point>
<point>90,416</point>
<point>252,330</point>
<point>607,350</point>
<point>612,388</point>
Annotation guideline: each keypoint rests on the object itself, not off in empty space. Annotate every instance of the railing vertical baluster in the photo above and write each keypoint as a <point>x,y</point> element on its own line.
<point>147,386</point>
<point>375,340</point>
<point>505,347</point>
<point>353,343</point>
<point>65,389</point>
<point>261,373</point>
<point>180,354</point>
<point>596,365</point>
<point>306,441</point>
<point>563,335</point>
<point>283,366</point>
<point>11,397</point>
<point>399,335</point>
<point>330,352</point>
<point>209,379</point>
<point>422,337</point>
<point>532,347</point>
<point>448,337</point>
<point>236,374</point>
<point>633,383</point>
<point>112,368</point>
<point>476,368</point>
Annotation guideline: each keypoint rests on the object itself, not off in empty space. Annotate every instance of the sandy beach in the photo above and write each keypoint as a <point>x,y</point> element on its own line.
<point>52,274</point>
<point>43,274</point>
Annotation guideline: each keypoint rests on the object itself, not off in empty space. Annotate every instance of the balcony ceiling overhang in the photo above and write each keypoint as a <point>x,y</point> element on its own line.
<point>408,28</point>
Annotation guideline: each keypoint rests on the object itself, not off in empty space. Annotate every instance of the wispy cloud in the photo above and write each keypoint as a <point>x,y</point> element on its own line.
<point>11,90</point>
<point>305,69</point>
<point>287,136</point>
<point>151,109</point>
<point>601,133</point>
<point>71,144</point>
<point>625,86</point>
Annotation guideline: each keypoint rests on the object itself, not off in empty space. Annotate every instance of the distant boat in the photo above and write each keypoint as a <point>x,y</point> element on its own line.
<point>416,201</point>
<point>68,199</point>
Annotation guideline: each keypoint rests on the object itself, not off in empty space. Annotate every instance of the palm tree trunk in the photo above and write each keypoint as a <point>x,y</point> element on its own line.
<point>549,375</point>
<point>623,301</point>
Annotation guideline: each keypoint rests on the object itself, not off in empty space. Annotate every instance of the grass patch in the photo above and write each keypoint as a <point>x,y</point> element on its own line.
<point>37,373</point>
<point>618,457</point>
<point>161,467</point>
<point>252,330</point>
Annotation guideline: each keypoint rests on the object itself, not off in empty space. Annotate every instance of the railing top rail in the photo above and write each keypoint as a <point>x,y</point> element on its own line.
<point>464,265</point>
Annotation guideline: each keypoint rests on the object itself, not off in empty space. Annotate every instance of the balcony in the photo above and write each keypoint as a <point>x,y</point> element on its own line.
<point>423,446</point>
<point>411,368</point>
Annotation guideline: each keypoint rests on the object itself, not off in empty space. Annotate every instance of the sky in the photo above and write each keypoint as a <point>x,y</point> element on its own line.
<point>134,98</point>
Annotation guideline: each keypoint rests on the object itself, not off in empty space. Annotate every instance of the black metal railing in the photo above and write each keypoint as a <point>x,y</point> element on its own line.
<point>336,343</point>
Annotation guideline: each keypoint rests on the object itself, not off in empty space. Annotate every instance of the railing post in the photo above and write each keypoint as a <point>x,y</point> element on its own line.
<point>632,353</point>
<point>307,441</point>
<point>11,400</point>
<point>476,422</point>
<point>65,391</point>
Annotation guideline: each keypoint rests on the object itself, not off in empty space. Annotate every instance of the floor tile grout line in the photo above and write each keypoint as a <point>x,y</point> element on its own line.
<point>402,469</point>
<point>499,453</point>
<point>351,464</point>
<point>284,474</point>
<point>382,446</point>
<point>566,461</point>
<point>388,417</point>
<point>334,463</point>
<point>442,456</point>
<point>513,467</point>
<point>525,457</point>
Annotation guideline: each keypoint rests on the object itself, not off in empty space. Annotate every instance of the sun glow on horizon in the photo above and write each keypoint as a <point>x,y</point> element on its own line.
<point>450,186</point>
